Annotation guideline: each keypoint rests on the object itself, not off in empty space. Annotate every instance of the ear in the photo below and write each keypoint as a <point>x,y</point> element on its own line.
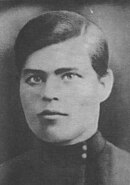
<point>106,84</point>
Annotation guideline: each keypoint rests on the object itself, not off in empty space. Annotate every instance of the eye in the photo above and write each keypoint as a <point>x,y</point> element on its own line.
<point>34,80</point>
<point>70,76</point>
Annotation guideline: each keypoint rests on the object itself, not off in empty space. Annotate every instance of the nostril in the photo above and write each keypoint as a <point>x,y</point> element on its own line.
<point>46,99</point>
<point>55,98</point>
<point>49,99</point>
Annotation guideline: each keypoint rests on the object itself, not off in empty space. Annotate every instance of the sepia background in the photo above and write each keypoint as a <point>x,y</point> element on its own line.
<point>113,16</point>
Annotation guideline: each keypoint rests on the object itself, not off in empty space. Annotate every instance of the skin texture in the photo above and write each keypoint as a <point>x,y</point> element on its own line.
<point>60,78</point>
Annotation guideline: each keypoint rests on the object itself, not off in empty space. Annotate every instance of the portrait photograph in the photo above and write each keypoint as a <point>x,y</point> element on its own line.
<point>64,92</point>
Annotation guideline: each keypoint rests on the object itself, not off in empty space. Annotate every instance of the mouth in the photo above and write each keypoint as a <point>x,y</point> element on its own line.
<point>49,114</point>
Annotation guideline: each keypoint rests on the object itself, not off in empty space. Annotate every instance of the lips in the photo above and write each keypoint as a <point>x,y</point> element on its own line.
<point>52,113</point>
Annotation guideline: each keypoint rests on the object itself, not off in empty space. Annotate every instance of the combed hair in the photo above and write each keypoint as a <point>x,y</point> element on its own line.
<point>54,27</point>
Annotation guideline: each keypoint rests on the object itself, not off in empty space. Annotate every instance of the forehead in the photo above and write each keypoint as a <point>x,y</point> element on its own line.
<point>72,52</point>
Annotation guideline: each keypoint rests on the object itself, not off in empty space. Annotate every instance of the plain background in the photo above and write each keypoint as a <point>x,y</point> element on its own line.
<point>114,18</point>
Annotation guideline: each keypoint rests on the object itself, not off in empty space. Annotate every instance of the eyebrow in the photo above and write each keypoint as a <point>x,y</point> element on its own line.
<point>57,71</point>
<point>34,71</point>
<point>64,70</point>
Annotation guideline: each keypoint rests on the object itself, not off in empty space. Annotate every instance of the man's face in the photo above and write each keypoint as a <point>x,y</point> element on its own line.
<point>59,92</point>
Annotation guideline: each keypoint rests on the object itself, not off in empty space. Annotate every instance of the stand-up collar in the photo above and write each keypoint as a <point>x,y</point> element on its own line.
<point>95,145</point>
<point>73,154</point>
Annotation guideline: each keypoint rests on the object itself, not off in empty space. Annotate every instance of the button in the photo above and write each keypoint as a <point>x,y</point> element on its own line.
<point>84,155</point>
<point>84,147</point>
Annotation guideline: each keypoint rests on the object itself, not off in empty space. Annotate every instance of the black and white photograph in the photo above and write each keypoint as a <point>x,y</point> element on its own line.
<point>64,92</point>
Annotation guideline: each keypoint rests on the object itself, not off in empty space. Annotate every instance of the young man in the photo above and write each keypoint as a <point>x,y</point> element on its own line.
<point>62,60</point>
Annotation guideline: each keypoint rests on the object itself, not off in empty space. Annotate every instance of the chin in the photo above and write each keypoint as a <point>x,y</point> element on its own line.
<point>53,138</point>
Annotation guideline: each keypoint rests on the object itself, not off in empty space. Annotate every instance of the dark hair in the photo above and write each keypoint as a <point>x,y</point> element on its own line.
<point>53,27</point>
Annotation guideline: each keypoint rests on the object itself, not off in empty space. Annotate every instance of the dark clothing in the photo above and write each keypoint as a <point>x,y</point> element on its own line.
<point>105,164</point>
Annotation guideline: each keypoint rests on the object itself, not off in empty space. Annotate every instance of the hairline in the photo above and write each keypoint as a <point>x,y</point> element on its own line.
<point>83,33</point>
<point>87,24</point>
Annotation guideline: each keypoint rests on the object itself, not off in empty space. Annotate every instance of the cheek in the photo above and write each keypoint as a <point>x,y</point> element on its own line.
<point>28,99</point>
<point>84,94</point>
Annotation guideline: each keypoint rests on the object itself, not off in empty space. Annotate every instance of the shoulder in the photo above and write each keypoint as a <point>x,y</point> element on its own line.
<point>118,157</point>
<point>10,171</point>
<point>115,164</point>
<point>20,159</point>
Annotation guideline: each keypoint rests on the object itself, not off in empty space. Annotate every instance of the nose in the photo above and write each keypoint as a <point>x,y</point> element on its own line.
<point>50,90</point>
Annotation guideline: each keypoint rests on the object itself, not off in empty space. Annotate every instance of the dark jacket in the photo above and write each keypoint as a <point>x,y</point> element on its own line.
<point>52,165</point>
